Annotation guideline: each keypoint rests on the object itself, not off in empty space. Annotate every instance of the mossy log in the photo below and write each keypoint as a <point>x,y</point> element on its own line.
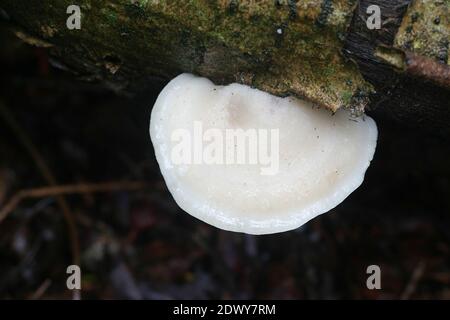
<point>414,101</point>
<point>318,50</point>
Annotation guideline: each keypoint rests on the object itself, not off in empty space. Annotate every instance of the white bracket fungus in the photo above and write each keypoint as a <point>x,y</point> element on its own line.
<point>247,161</point>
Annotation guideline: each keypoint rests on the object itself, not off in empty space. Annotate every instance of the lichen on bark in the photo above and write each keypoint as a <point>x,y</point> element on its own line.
<point>284,47</point>
<point>425,29</point>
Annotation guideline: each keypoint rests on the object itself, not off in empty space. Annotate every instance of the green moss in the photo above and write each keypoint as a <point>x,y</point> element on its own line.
<point>224,40</point>
<point>425,29</point>
<point>347,97</point>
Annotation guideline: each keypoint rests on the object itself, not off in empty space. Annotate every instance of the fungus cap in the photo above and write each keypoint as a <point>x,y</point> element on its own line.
<point>312,161</point>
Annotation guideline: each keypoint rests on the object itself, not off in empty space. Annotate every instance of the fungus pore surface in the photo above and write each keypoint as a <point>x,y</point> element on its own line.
<point>243,160</point>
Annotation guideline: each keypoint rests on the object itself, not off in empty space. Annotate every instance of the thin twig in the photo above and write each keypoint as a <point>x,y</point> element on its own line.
<point>41,290</point>
<point>47,175</point>
<point>415,278</point>
<point>415,65</point>
<point>68,190</point>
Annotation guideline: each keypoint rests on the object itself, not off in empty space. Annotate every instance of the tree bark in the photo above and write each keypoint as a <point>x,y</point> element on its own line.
<point>413,101</point>
<point>318,50</point>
